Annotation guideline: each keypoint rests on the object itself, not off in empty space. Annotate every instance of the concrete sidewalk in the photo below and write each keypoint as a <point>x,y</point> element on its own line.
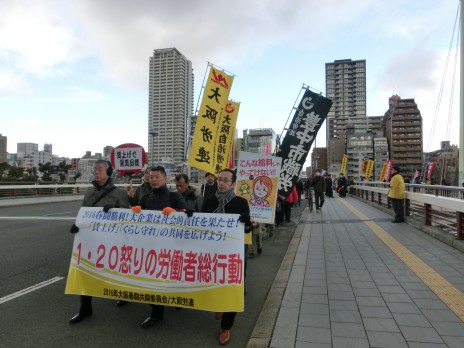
<point>351,278</point>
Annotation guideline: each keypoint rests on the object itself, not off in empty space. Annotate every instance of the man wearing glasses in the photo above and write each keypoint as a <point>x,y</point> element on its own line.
<point>104,194</point>
<point>226,202</point>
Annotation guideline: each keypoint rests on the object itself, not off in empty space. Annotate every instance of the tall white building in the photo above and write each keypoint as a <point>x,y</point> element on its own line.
<point>170,106</point>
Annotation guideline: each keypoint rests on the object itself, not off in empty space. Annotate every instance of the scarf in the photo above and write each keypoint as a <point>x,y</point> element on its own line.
<point>223,199</point>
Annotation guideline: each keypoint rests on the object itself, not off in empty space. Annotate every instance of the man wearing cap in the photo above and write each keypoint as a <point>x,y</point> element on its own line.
<point>396,194</point>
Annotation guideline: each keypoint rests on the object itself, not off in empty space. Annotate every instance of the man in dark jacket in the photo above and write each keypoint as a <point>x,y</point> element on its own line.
<point>191,195</point>
<point>342,185</point>
<point>103,194</point>
<point>226,202</point>
<point>142,190</point>
<point>318,183</point>
<point>210,187</point>
<point>159,199</point>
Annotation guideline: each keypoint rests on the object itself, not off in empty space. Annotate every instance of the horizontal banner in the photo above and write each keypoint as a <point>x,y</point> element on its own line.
<point>149,257</point>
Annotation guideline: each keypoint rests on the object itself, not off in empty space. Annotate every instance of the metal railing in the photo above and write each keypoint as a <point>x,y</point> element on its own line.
<point>21,191</point>
<point>432,205</point>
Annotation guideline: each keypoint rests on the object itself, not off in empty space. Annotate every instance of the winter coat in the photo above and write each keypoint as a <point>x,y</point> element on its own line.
<point>116,196</point>
<point>237,205</point>
<point>318,183</point>
<point>161,198</point>
<point>396,187</point>
<point>208,190</point>
<point>193,199</point>
<point>140,191</point>
<point>293,196</point>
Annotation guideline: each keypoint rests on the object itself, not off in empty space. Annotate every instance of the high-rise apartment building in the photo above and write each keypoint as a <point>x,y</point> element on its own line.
<point>3,147</point>
<point>346,87</point>
<point>170,106</point>
<point>402,125</point>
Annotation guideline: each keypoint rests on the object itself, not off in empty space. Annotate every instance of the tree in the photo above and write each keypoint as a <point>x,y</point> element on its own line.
<point>15,173</point>
<point>3,168</point>
<point>63,167</point>
<point>45,170</point>
<point>31,174</point>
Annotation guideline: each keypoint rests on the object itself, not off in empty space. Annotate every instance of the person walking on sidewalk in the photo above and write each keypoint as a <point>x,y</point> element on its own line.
<point>396,194</point>
<point>226,202</point>
<point>300,190</point>
<point>319,190</point>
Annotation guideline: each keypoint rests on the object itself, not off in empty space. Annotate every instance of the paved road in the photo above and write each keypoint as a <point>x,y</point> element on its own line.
<point>35,247</point>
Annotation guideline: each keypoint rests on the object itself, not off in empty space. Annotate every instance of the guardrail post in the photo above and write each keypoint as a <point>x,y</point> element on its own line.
<point>427,214</point>
<point>372,196</point>
<point>389,203</point>
<point>460,225</point>
<point>407,207</point>
<point>379,198</point>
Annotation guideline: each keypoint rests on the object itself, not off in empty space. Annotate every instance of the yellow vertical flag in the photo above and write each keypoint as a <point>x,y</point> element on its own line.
<point>207,136</point>
<point>369,170</point>
<point>364,167</point>
<point>383,172</point>
<point>224,155</point>
<point>344,163</point>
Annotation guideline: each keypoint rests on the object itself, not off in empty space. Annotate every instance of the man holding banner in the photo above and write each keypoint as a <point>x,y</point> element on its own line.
<point>160,199</point>
<point>226,202</point>
<point>103,194</point>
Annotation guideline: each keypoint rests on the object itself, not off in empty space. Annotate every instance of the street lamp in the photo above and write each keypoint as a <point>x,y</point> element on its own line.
<point>153,132</point>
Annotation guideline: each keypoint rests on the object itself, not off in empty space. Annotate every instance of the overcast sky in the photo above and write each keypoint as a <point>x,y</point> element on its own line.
<point>75,73</point>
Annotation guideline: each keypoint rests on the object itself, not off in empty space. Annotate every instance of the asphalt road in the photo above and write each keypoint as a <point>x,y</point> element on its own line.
<point>35,247</point>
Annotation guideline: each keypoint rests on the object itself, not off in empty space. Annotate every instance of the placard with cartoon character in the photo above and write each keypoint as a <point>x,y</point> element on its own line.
<point>257,179</point>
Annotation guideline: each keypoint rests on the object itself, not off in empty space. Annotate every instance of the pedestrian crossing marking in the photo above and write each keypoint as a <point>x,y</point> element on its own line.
<point>449,294</point>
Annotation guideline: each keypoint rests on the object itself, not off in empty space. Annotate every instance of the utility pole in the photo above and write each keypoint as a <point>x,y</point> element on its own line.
<point>461,103</point>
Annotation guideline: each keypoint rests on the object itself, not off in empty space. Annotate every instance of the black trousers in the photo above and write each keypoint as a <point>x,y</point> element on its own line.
<point>227,320</point>
<point>288,211</point>
<point>157,311</point>
<point>319,199</point>
<point>398,209</point>
<point>86,303</point>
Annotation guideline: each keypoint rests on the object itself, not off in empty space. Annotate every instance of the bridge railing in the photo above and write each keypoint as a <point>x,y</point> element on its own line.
<point>17,191</point>
<point>432,205</point>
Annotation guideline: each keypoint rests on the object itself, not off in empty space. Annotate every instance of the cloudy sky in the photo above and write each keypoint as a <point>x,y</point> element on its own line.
<point>75,73</point>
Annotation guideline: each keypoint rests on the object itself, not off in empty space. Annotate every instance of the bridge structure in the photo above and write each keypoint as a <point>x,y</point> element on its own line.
<point>352,278</point>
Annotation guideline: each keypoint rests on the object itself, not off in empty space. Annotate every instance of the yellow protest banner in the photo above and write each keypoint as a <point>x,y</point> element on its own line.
<point>364,167</point>
<point>383,172</point>
<point>223,152</point>
<point>369,170</point>
<point>344,163</point>
<point>153,258</point>
<point>207,143</point>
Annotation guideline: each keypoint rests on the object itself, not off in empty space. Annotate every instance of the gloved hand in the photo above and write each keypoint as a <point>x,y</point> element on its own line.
<point>74,229</point>
<point>245,218</point>
<point>107,207</point>
<point>137,209</point>
<point>168,210</point>
<point>189,212</point>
